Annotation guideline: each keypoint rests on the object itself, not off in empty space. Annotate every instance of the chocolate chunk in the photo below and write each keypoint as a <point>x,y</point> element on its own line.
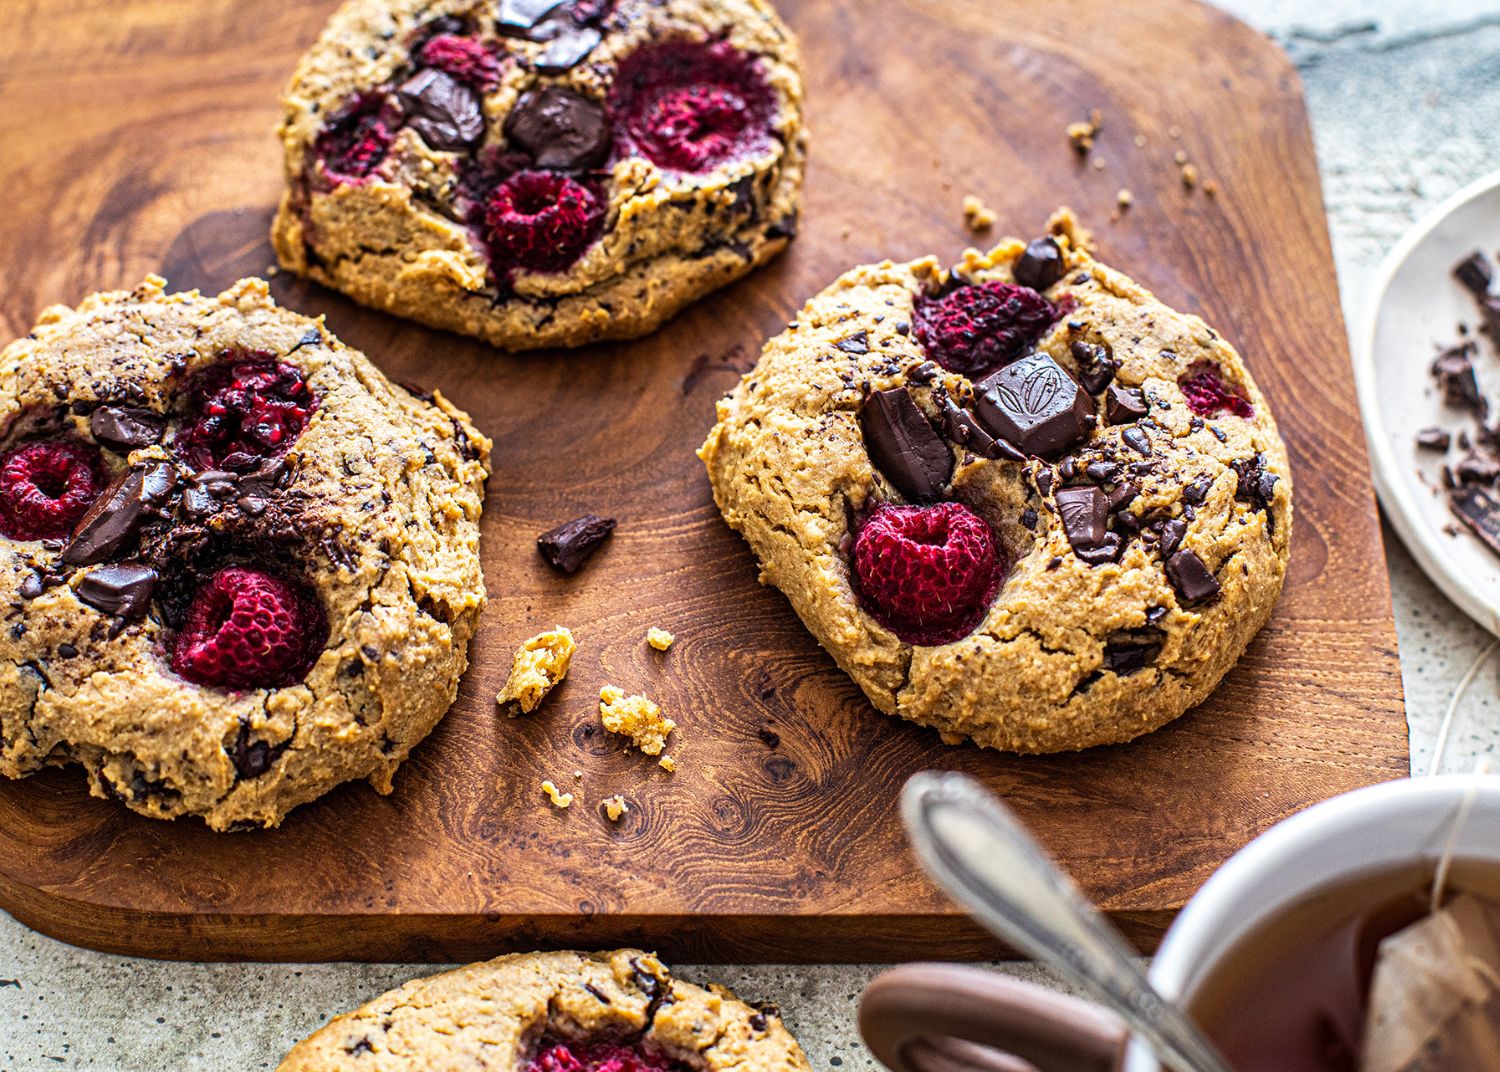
<point>1137,440</point>
<point>1255,485</point>
<point>1041,265</point>
<point>66,650</point>
<point>1480,513</point>
<point>858,343</point>
<point>1475,272</point>
<point>559,128</point>
<point>1124,405</point>
<point>1035,404</point>
<point>903,446</point>
<point>1102,472</point>
<point>31,586</point>
<point>1476,468</point>
<point>126,428</point>
<point>1190,578</point>
<point>1096,367</point>
<point>1131,650</point>
<point>446,112</point>
<point>568,49</point>
<point>1029,518</point>
<point>960,426</point>
<point>1122,496</point>
<point>1171,536</point>
<point>1108,550</point>
<point>1196,493</point>
<point>1454,371</point>
<point>1043,479</point>
<point>566,546</point>
<point>117,514</point>
<point>517,16</point>
<point>123,590</point>
<point>1085,516</point>
<point>1155,614</point>
<point>1434,439</point>
<point>926,372</point>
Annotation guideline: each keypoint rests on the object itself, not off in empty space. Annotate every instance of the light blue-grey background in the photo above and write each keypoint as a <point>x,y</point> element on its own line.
<point>1405,101</point>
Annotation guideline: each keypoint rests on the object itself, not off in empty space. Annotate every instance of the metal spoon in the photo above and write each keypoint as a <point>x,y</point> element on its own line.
<point>979,852</point>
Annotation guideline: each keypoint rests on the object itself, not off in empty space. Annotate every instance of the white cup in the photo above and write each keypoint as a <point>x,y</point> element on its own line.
<point>936,1018</point>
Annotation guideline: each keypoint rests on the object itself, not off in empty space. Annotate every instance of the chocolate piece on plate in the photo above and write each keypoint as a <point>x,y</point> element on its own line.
<point>1040,265</point>
<point>123,589</point>
<point>1190,578</point>
<point>1035,404</point>
<point>1475,273</point>
<point>1434,439</point>
<point>566,546</point>
<point>1454,371</point>
<point>559,128</point>
<point>1477,468</point>
<point>1480,513</point>
<point>126,428</point>
<point>444,111</point>
<point>903,446</point>
<point>1124,405</point>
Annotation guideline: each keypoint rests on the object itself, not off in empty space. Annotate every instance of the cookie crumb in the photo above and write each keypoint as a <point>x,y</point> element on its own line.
<point>578,776</point>
<point>559,800</point>
<point>635,717</point>
<point>1175,131</point>
<point>660,639</point>
<point>1124,198</point>
<point>615,807</point>
<point>1189,176</point>
<point>1140,141</point>
<point>977,216</point>
<point>668,764</point>
<point>1179,158</point>
<point>1098,163</point>
<point>539,665</point>
<point>1082,133</point>
<point>1210,187</point>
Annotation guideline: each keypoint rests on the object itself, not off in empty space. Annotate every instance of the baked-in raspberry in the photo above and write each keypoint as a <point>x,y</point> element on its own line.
<point>1207,395</point>
<point>247,629</point>
<point>927,573</point>
<point>356,140</point>
<point>46,487</point>
<point>598,1057</point>
<point>246,408</point>
<point>978,327</point>
<point>465,58</point>
<point>541,220</point>
<point>690,107</point>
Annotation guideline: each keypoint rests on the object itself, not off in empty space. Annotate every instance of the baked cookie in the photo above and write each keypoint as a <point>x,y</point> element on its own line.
<point>541,172</point>
<point>1022,502</point>
<point>239,566</point>
<point>553,1012</point>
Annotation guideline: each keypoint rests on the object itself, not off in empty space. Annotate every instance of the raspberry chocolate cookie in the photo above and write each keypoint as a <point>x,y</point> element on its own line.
<point>541,172</point>
<point>554,1012</point>
<point>1022,502</point>
<point>239,566</point>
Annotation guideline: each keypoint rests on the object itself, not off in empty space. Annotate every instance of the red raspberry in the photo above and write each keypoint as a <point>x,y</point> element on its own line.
<point>927,573</point>
<point>541,220</point>
<point>690,107</point>
<point>356,141</point>
<point>464,58</point>
<point>978,327</point>
<point>597,1057</point>
<point>243,410</point>
<point>46,487</point>
<point>1207,396</point>
<point>249,630</point>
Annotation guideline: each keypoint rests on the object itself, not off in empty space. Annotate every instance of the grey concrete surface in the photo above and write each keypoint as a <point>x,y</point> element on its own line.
<point>1405,101</point>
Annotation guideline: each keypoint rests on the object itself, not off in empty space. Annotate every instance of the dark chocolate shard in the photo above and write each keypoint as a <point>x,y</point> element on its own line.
<point>1029,518</point>
<point>444,111</point>
<point>1196,493</point>
<point>1256,485</point>
<point>1434,439</point>
<point>1040,265</point>
<point>1190,578</point>
<point>1475,273</point>
<point>1123,495</point>
<point>960,426</point>
<point>1480,513</point>
<point>117,514</point>
<point>858,343</point>
<point>903,446</point>
<point>568,49</point>
<point>1096,366</point>
<point>1171,536</point>
<point>126,428</point>
<point>123,590</point>
<point>1035,404</point>
<point>923,373</point>
<point>567,546</point>
<point>1454,371</point>
<point>1136,440</point>
<point>559,129</point>
<point>517,16</point>
<point>1109,550</point>
<point>1477,468</point>
<point>1085,516</point>
<point>1132,650</point>
<point>1124,405</point>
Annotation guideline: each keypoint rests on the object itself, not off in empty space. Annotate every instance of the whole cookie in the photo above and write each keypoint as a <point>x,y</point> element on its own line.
<point>553,1012</point>
<point>541,172</point>
<point>1022,502</point>
<point>239,566</point>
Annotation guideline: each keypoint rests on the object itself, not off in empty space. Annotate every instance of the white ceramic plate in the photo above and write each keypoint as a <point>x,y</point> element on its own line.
<point>1417,306</point>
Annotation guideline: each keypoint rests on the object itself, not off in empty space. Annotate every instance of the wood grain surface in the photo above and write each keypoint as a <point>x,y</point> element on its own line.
<point>138,138</point>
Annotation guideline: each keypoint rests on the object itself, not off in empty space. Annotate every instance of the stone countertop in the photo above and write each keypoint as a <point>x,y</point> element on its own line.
<point>1405,99</point>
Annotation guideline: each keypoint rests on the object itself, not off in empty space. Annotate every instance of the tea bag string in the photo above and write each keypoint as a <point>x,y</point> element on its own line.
<point>1460,819</point>
<point>1446,727</point>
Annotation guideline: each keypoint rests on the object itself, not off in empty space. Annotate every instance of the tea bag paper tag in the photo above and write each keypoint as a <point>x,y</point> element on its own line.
<point>1435,999</point>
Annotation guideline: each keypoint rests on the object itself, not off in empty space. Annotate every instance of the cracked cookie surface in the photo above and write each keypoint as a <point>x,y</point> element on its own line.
<point>274,589</point>
<point>1022,502</point>
<point>541,172</point>
<point>618,1011</point>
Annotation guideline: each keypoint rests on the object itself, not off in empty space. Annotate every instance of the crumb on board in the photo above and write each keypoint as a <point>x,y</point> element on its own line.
<point>635,717</point>
<point>539,665</point>
<point>660,639</point>
<point>1140,141</point>
<point>977,215</point>
<point>1174,131</point>
<point>1083,133</point>
<point>1098,163</point>
<point>1189,176</point>
<point>1210,187</point>
<point>578,776</point>
<point>559,799</point>
<point>1124,198</point>
<point>668,764</point>
<point>1179,158</point>
<point>615,807</point>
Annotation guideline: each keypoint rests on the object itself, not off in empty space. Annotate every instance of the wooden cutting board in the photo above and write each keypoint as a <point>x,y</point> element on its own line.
<point>138,139</point>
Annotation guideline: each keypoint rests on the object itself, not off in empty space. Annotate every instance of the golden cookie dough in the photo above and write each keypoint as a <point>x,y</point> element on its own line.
<point>1039,673</point>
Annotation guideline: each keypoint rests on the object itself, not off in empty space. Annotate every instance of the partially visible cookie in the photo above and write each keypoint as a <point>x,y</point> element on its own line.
<point>553,1012</point>
<point>541,172</point>
<point>1022,502</point>
<point>240,566</point>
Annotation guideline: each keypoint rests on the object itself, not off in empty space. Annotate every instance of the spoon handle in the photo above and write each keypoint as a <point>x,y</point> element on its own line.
<point>978,851</point>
